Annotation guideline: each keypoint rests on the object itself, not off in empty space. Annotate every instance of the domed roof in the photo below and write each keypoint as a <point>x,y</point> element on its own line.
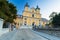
<point>37,7</point>
<point>26,5</point>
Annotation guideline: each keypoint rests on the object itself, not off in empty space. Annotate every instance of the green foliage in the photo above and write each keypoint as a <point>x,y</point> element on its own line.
<point>7,11</point>
<point>3,16</point>
<point>51,17</point>
<point>55,20</point>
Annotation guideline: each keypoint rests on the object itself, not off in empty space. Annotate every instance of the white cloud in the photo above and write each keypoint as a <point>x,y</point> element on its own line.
<point>48,7</point>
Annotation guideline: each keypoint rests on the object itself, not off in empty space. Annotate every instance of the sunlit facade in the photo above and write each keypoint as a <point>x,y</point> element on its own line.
<point>30,16</point>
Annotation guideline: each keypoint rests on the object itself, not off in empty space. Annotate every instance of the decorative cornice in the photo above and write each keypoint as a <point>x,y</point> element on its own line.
<point>31,17</point>
<point>32,12</point>
<point>27,17</point>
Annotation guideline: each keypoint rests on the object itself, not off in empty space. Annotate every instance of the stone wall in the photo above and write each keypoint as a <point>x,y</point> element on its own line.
<point>1,23</point>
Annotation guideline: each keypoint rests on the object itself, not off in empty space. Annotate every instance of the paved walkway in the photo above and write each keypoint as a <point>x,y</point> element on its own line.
<point>3,31</point>
<point>22,34</point>
<point>47,36</point>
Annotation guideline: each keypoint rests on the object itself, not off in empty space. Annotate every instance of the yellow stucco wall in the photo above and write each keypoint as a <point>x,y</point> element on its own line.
<point>18,22</point>
<point>28,15</point>
<point>28,19</point>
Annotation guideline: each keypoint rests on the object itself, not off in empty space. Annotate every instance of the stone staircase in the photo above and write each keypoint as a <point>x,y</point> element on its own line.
<point>25,26</point>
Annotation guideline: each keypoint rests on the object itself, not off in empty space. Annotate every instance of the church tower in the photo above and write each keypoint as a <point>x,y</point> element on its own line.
<point>26,7</point>
<point>37,9</point>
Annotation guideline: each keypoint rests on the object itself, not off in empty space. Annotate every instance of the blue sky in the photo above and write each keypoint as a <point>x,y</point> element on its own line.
<point>46,6</point>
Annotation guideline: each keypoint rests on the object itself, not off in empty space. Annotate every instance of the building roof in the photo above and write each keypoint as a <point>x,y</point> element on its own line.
<point>26,5</point>
<point>44,20</point>
<point>19,16</point>
<point>37,7</point>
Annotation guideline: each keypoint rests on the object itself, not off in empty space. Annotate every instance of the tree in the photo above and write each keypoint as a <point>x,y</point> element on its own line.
<point>53,14</point>
<point>12,11</point>
<point>7,11</point>
<point>51,17</point>
<point>56,20</point>
<point>2,10</point>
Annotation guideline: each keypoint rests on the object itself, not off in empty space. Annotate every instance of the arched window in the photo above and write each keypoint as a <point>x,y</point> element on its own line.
<point>25,23</point>
<point>33,23</point>
<point>32,15</point>
<point>25,18</point>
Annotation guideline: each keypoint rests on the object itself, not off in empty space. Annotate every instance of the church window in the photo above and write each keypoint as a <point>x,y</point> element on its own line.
<point>33,23</point>
<point>25,23</point>
<point>32,15</point>
<point>25,18</point>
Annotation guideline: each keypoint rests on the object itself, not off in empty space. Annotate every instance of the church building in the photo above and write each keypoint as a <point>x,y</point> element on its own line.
<point>30,16</point>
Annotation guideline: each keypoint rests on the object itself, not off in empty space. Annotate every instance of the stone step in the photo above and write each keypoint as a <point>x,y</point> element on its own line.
<point>26,27</point>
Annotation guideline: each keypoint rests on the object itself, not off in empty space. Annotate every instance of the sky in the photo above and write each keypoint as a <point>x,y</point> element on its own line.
<point>46,6</point>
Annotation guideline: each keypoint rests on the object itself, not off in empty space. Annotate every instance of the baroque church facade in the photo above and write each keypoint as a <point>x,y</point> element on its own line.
<point>30,16</point>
